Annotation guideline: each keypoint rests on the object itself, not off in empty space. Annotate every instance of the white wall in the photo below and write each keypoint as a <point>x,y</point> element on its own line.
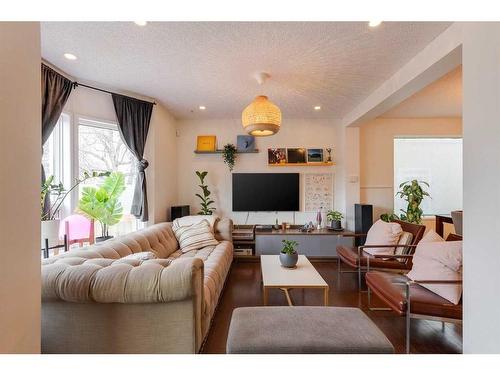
<point>161,152</point>
<point>294,132</point>
<point>20,129</point>
<point>481,117</point>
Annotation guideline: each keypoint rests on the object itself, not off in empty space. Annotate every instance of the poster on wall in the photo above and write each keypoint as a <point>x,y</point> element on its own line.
<point>318,191</point>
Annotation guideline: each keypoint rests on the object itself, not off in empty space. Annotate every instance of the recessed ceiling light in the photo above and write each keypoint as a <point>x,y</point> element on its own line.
<point>70,56</point>
<point>317,107</point>
<point>374,23</point>
<point>140,23</point>
<point>202,107</point>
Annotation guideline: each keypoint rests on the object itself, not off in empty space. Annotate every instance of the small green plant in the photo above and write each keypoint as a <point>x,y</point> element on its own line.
<point>289,247</point>
<point>206,202</point>
<point>102,203</point>
<point>59,193</point>
<point>414,194</point>
<point>334,215</point>
<point>229,155</point>
<point>389,217</point>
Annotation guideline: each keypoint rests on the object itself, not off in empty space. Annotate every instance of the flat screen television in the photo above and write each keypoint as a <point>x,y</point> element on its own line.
<point>266,192</point>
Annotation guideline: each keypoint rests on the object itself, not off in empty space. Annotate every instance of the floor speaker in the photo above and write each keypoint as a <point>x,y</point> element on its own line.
<point>363,220</point>
<point>178,211</point>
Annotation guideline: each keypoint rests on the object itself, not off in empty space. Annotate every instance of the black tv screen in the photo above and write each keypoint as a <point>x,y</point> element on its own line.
<point>265,192</point>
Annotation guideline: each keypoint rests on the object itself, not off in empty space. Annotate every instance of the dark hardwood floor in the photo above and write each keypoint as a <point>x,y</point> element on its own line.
<point>243,288</point>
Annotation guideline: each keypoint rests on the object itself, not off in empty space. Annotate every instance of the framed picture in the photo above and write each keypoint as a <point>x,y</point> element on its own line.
<point>245,142</point>
<point>276,155</point>
<point>296,155</point>
<point>315,155</point>
<point>206,143</point>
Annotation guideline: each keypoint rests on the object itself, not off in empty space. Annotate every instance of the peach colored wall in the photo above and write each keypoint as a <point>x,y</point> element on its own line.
<point>377,154</point>
<point>20,129</point>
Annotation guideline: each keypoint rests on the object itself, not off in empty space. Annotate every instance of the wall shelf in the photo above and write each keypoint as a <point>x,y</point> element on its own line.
<point>220,152</point>
<point>324,164</point>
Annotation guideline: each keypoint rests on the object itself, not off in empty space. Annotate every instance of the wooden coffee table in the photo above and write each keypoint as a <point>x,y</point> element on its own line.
<point>304,276</point>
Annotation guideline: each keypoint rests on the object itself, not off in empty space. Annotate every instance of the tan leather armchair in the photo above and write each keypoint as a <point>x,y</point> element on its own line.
<point>409,298</point>
<point>356,257</point>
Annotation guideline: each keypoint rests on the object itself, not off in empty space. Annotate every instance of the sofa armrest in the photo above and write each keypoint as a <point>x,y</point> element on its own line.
<point>153,281</point>
<point>224,229</point>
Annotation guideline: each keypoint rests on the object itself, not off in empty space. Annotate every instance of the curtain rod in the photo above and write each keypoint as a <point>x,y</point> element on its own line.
<point>76,84</point>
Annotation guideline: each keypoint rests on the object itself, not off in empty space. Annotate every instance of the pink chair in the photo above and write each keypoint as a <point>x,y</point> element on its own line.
<point>78,229</point>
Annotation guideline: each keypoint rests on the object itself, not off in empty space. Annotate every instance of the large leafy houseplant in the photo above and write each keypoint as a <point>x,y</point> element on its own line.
<point>59,193</point>
<point>413,193</point>
<point>102,203</point>
<point>206,201</point>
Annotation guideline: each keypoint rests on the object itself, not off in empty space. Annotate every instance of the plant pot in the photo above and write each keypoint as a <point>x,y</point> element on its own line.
<point>103,238</point>
<point>50,231</point>
<point>336,224</point>
<point>289,260</point>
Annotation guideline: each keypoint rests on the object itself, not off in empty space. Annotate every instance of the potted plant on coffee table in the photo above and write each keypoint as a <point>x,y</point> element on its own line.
<point>102,203</point>
<point>288,254</point>
<point>335,218</point>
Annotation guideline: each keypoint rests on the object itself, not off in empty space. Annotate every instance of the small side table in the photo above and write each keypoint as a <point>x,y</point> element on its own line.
<point>440,220</point>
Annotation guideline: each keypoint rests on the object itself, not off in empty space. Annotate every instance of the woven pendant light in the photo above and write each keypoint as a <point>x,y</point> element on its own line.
<point>262,117</point>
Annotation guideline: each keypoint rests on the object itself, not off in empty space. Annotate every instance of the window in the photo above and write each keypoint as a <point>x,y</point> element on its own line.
<point>437,161</point>
<point>56,158</point>
<point>101,148</point>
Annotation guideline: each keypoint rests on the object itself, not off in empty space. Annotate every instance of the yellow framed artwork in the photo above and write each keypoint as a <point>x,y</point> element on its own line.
<point>206,143</point>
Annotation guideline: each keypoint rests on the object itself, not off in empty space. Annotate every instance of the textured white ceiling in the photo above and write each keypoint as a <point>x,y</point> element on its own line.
<point>187,64</point>
<point>442,98</point>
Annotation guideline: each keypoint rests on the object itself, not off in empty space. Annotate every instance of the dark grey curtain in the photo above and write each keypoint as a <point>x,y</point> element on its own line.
<point>55,92</point>
<point>133,118</point>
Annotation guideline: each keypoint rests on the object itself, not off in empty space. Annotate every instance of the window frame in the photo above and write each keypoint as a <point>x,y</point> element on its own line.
<point>419,136</point>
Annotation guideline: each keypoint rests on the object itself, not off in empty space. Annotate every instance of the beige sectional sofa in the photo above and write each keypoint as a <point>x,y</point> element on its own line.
<point>95,301</point>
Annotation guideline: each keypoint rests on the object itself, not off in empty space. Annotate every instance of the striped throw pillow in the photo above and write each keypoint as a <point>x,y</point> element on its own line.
<point>195,237</point>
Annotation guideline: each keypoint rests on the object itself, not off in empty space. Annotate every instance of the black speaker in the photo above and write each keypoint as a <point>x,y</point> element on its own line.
<point>178,211</point>
<point>363,220</point>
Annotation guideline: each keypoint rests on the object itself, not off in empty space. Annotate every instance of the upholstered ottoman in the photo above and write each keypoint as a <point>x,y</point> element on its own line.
<point>301,329</point>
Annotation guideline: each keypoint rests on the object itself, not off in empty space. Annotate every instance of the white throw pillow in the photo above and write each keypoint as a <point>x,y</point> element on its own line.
<point>194,219</point>
<point>142,256</point>
<point>431,236</point>
<point>439,260</point>
<point>382,233</point>
<point>195,237</point>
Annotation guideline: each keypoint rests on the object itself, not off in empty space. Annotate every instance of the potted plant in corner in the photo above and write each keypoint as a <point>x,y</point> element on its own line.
<point>206,201</point>
<point>288,255</point>
<point>102,203</point>
<point>335,218</point>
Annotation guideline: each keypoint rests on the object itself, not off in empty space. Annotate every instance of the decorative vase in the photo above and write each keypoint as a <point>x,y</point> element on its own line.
<point>336,225</point>
<point>50,231</point>
<point>289,260</point>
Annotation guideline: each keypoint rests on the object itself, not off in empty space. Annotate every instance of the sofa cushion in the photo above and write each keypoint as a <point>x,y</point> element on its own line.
<point>195,219</point>
<point>195,236</point>
<point>439,261</point>
<point>142,256</point>
<point>382,233</point>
